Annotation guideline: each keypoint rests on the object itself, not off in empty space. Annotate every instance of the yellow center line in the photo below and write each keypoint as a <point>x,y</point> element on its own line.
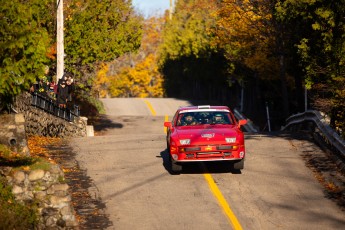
<point>166,118</point>
<point>222,202</point>
<point>153,112</point>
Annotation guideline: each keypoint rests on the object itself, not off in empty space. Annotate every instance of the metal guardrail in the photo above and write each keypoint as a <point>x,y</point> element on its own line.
<point>314,116</point>
<point>43,102</point>
<point>249,126</point>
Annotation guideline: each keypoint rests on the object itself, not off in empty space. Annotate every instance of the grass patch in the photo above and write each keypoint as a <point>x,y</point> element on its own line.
<point>18,161</point>
<point>13,159</point>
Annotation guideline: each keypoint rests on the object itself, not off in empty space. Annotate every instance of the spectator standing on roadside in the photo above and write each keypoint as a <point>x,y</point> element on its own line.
<point>55,86</point>
<point>51,90</point>
<point>62,94</point>
<point>43,84</point>
<point>70,86</point>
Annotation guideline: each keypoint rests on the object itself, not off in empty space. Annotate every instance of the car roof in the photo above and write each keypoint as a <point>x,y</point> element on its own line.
<point>200,108</point>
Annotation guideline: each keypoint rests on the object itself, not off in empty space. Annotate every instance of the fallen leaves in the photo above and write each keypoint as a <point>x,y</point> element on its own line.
<point>39,146</point>
<point>26,168</point>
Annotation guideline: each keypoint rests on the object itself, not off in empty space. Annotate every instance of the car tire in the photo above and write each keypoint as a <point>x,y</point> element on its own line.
<point>168,147</point>
<point>175,167</point>
<point>238,164</point>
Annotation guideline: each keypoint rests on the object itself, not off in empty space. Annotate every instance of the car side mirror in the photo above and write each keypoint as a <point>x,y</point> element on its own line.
<point>241,122</point>
<point>168,124</point>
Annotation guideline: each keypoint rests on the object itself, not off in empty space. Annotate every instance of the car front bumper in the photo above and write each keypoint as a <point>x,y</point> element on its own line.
<point>212,155</point>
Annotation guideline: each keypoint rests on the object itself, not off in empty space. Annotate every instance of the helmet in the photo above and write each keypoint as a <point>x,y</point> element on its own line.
<point>188,115</point>
<point>218,117</point>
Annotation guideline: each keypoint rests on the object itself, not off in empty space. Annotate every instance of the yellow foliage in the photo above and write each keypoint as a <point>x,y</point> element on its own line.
<point>101,82</point>
<point>143,80</point>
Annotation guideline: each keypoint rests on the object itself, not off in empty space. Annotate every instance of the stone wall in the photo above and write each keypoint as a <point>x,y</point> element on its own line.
<point>12,133</point>
<point>38,122</point>
<point>48,189</point>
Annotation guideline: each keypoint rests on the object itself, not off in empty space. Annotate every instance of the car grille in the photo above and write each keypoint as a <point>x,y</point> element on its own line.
<point>192,149</point>
<point>207,153</point>
<point>224,147</point>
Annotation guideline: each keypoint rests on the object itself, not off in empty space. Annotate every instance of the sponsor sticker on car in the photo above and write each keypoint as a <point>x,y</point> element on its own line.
<point>207,135</point>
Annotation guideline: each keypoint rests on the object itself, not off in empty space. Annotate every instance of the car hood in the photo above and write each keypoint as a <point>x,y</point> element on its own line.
<point>207,134</point>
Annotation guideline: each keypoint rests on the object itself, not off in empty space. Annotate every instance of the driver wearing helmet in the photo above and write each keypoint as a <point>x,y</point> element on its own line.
<point>189,119</point>
<point>219,118</point>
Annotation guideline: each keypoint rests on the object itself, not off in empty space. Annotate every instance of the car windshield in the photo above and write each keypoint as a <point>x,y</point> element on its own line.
<point>202,118</point>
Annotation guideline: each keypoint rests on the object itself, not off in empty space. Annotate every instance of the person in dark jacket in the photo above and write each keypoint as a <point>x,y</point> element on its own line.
<point>62,94</point>
<point>70,86</point>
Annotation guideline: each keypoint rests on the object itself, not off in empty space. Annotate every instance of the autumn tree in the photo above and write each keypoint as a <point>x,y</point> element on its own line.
<point>137,73</point>
<point>189,60</point>
<point>253,41</point>
<point>139,81</point>
<point>244,31</point>
<point>187,33</point>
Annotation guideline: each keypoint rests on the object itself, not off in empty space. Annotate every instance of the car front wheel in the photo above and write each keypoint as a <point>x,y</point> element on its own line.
<point>175,167</point>
<point>238,164</point>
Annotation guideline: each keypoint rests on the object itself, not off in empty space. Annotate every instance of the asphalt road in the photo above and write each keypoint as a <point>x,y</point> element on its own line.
<point>128,165</point>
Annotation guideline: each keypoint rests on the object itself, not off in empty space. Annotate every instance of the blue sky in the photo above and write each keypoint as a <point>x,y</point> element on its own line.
<point>151,7</point>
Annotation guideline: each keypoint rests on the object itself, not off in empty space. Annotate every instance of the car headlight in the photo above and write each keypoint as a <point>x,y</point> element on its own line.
<point>185,142</point>
<point>230,139</point>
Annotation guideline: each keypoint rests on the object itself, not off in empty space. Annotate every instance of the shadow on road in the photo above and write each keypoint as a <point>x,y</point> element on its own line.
<point>103,123</point>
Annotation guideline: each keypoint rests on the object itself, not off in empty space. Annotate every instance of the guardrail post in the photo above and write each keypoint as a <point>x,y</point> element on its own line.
<point>268,118</point>
<point>51,107</point>
<point>305,99</point>
<point>33,99</point>
<point>76,110</point>
<point>44,104</point>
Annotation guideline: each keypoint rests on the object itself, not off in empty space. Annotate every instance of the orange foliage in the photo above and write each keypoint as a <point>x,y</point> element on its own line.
<point>243,31</point>
<point>52,52</point>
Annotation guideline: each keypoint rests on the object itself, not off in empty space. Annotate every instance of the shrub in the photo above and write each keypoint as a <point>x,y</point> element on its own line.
<point>15,215</point>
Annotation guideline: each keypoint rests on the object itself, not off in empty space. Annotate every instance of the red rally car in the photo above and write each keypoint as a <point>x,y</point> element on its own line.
<point>205,133</point>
